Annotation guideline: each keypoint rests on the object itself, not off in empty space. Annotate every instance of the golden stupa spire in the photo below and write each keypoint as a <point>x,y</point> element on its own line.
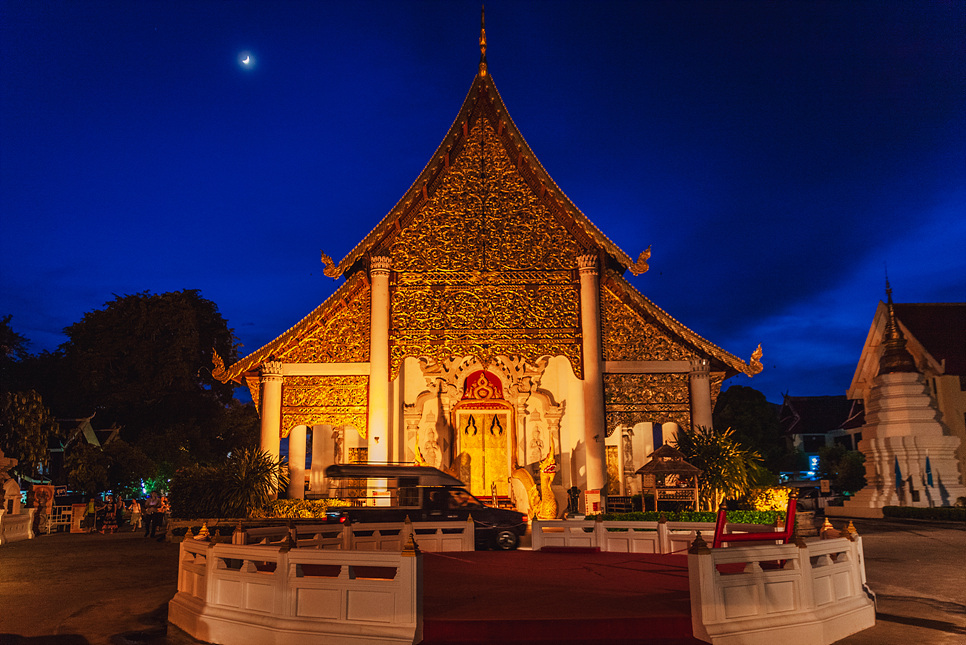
<point>895,358</point>
<point>483,40</point>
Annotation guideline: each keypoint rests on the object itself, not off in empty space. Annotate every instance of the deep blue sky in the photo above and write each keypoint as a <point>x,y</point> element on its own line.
<point>775,154</point>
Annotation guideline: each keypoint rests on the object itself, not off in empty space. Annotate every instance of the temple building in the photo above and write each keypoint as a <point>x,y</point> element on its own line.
<point>484,323</point>
<point>911,377</point>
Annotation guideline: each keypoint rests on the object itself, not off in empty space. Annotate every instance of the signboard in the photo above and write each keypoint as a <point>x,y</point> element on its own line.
<point>826,487</point>
<point>592,502</point>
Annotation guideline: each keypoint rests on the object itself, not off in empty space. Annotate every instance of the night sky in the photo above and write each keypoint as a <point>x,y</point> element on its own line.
<point>777,155</point>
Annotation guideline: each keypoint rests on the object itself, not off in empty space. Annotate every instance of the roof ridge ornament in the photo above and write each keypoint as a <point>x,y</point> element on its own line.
<point>330,270</point>
<point>640,267</point>
<point>482,40</point>
<point>755,362</point>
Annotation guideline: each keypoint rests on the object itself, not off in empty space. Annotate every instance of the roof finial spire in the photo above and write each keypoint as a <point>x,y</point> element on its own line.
<point>895,358</point>
<point>482,40</point>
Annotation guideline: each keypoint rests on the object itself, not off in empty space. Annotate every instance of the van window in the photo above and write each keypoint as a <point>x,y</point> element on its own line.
<point>408,496</point>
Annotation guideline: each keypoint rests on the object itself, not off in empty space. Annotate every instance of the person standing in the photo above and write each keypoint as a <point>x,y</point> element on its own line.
<point>110,515</point>
<point>152,514</point>
<point>90,513</point>
<point>135,509</point>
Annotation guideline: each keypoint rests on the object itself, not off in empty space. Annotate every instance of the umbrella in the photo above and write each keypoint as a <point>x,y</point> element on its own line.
<point>928,471</point>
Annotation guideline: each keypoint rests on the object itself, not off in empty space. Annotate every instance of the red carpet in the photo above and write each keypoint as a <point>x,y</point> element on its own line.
<point>526,596</point>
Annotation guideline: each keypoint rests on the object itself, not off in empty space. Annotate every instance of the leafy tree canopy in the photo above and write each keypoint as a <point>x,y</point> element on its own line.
<point>755,423</point>
<point>26,429</point>
<point>844,468</point>
<point>13,352</point>
<point>143,362</point>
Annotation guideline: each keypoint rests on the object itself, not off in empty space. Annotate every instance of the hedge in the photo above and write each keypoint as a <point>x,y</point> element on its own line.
<point>299,508</point>
<point>734,517</point>
<point>946,513</point>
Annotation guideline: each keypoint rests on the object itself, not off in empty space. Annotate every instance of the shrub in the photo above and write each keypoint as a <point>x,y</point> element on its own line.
<point>774,498</point>
<point>194,492</point>
<point>238,488</point>
<point>944,513</point>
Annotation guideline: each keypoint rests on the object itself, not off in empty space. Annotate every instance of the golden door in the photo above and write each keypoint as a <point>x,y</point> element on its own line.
<point>484,437</point>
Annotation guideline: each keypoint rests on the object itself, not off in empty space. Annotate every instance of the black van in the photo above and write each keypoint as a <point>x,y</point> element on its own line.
<point>427,494</point>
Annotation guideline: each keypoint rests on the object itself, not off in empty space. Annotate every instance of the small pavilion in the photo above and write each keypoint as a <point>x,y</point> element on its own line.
<point>669,478</point>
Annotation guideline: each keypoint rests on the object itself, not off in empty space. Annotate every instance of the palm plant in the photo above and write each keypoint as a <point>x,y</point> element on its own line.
<point>729,468</point>
<point>251,479</point>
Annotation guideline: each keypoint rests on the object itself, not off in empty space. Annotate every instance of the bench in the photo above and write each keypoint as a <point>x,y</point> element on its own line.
<point>783,536</point>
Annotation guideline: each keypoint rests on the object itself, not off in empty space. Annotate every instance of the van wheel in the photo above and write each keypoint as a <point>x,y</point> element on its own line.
<point>507,540</point>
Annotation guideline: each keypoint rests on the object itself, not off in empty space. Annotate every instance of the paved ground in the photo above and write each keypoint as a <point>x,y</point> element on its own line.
<point>83,589</point>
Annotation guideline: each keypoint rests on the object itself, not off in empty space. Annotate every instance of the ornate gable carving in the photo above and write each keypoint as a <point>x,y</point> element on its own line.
<point>627,335</point>
<point>484,268</point>
<point>340,337</point>
<point>483,217</point>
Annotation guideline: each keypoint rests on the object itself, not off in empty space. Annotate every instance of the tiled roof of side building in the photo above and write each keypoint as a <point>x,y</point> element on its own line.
<point>940,328</point>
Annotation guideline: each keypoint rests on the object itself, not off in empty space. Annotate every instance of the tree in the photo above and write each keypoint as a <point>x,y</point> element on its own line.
<point>87,468</point>
<point>13,349</point>
<point>844,468</point>
<point>26,429</point>
<point>729,468</point>
<point>756,424</point>
<point>127,466</point>
<point>143,362</point>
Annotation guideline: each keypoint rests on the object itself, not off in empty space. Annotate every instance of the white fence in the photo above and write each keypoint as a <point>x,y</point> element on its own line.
<point>14,528</point>
<point>391,536</point>
<point>253,594</point>
<point>796,595</point>
<point>627,537</point>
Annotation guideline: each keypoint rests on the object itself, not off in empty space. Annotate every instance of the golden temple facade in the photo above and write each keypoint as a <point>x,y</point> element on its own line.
<point>485,274</point>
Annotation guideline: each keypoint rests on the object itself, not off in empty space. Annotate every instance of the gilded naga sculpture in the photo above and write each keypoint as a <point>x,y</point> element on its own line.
<point>543,505</point>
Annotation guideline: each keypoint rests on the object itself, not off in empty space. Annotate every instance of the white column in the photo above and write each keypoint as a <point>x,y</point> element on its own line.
<point>271,407</point>
<point>296,463</point>
<point>594,428</point>
<point>378,420</point>
<point>700,385</point>
<point>322,456</point>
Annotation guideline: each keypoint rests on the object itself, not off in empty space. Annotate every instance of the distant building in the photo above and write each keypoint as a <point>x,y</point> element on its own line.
<point>813,422</point>
<point>910,377</point>
<point>76,431</point>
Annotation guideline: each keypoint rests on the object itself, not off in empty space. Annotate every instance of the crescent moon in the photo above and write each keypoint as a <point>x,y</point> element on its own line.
<point>247,59</point>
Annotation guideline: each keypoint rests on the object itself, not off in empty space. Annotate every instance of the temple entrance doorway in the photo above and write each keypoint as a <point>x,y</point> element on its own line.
<point>485,436</point>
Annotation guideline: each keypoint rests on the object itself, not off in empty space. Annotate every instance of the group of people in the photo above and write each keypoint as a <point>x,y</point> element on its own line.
<point>108,516</point>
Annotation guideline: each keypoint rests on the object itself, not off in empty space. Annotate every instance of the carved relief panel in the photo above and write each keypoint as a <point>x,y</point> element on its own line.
<point>331,400</point>
<point>630,399</point>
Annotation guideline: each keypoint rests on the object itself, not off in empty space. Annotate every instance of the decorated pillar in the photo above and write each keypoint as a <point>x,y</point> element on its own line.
<point>271,407</point>
<point>296,463</point>
<point>700,386</point>
<point>378,421</point>
<point>594,424</point>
